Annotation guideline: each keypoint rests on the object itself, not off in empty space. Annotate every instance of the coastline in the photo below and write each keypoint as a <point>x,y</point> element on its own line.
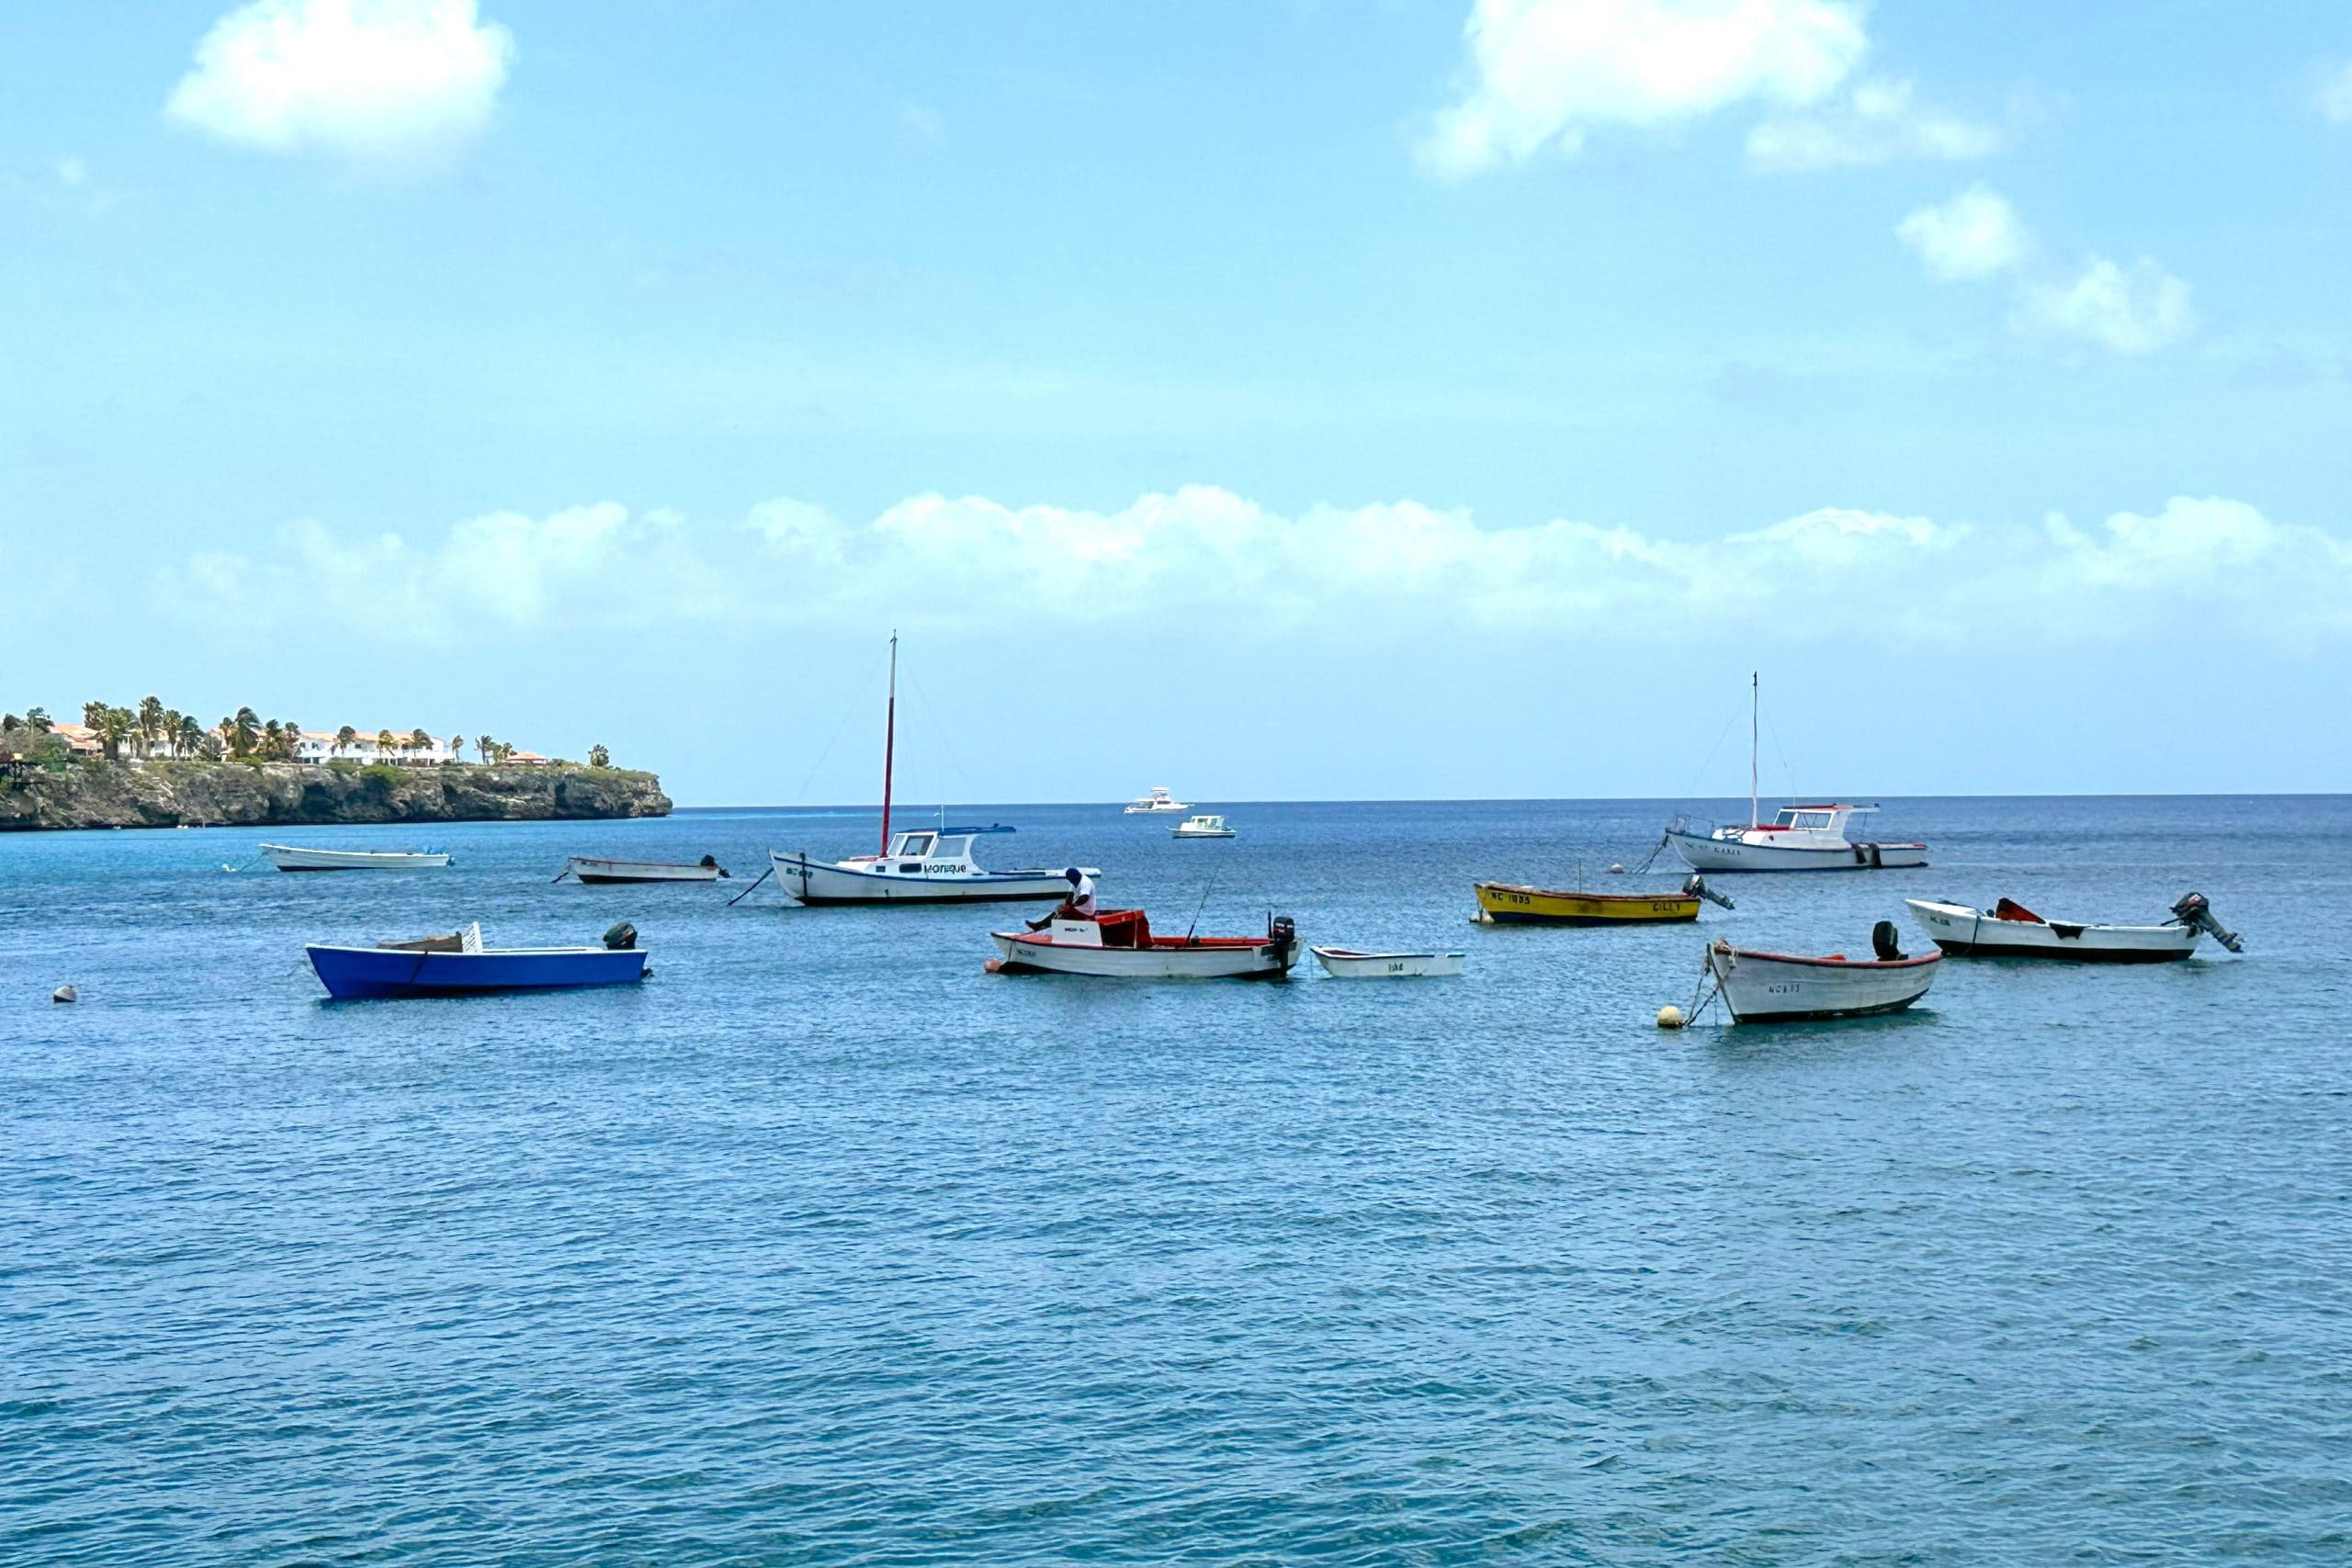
<point>168,794</point>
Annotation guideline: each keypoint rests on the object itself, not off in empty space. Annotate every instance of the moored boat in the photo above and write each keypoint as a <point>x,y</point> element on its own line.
<point>1119,945</point>
<point>1202,827</point>
<point>1508,904</point>
<point>1346,963</point>
<point>460,965</point>
<point>929,866</point>
<point>1780,987</point>
<point>287,857</point>
<point>1157,801</point>
<point>2009,930</point>
<point>1800,837</point>
<point>589,869</point>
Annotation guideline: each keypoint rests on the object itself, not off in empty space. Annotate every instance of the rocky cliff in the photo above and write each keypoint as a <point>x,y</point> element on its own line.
<point>242,795</point>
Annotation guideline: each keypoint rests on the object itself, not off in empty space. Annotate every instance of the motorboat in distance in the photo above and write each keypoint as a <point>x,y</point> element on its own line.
<point>1204,827</point>
<point>286,857</point>
<point>590,870</point>
<point>460,966</point>
<point>1119,944</point>
<point>1157,800</point>
<point>2009,930</point>
<point>1782,987</point>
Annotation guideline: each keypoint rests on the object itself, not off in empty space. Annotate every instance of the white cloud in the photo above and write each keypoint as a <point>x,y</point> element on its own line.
<point>1213,566</point>
<point>1976,234</point>
<point>2333,99</point>
<point>383,82</point>
<point>1543,72</point>
<point>2133,309</point>
<point>1879,122</point>
<point>72,171</point>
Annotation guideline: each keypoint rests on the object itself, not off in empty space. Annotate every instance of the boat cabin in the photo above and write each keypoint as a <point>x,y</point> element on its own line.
<point>1811,819</point>
<point>923,853</point>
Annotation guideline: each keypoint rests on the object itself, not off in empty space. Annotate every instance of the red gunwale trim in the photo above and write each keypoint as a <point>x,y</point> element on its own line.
<point>1158,944</point>
<point>1839,962</point>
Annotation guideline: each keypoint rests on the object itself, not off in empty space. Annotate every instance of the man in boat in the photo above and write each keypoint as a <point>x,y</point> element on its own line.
<point>1078,905</point>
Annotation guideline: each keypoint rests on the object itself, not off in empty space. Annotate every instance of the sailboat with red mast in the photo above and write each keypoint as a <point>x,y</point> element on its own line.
<point>927,865</point>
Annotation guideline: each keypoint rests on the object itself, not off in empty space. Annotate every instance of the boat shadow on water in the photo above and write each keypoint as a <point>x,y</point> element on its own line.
<point>1758,1043</point>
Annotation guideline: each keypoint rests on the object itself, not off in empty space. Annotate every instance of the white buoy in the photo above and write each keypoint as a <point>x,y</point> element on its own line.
<point>65,993</point>
<point>1617,870</point>
<point>1669,1016</point>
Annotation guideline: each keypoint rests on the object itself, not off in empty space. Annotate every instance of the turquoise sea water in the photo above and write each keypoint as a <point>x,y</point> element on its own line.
<point>825,1246</point>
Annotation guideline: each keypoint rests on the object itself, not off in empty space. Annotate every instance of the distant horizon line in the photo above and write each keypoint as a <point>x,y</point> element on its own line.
<point>901,808</point>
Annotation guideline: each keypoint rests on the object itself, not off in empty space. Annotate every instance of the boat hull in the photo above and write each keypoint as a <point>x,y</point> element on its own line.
<point>286,857</point>
<point>1212,958</point>
<point>591,871</point>
<point>1776,987</point>
<point>1343,964</point>
<point>1965,933</point>
<point>818,883</point>
<point>1703,852</point>
<point>354,973</point>
<point>1505,904</point>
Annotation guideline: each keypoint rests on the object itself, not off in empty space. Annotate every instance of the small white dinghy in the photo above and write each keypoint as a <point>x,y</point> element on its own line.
<point>2009,930</point>
<point>591,870</point>
<point>286,857</point>
<point>1780,987</point>
<point>1346,963</point>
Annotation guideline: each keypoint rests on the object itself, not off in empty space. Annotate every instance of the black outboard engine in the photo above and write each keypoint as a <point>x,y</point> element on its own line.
<point>2192,910</point>
<point>1282,936</point>
<point>1885,942</point>
<point>621,938</point>
<point>1697,888</point>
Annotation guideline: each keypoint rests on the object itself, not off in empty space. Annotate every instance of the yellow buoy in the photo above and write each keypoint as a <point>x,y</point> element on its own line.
<point>1669,1016</point>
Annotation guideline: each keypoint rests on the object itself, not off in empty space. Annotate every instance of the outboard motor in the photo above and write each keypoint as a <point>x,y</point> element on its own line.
<point>1282,935</point>
<point>1885,942</point>
<point>1697,888</point>
<point>710,862</point>
<point>621,938</point>
<point>2192,910</point>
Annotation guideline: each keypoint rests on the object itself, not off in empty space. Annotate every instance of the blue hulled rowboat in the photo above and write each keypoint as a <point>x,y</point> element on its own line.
<point>461,966</point>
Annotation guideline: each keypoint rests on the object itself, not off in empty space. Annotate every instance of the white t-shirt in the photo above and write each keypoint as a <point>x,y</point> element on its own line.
<point>1081,898</point>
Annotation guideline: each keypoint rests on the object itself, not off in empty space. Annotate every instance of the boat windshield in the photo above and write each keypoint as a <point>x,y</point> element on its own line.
<point>1814,820</point>
<point>912,846</point>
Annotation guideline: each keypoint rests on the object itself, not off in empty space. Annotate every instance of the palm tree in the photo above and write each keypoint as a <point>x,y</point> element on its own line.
<point>418,739</point>
<point>92,714</point>
<point>167,731</point>
<point>598,757</point>
<point>189,741</point>
<point>242,732</point>
<point>37,720</point>
<point>457,744</point>
<point>344,739</point>
<point>383,744</point>
<point>151,723</point>
<point>486,748</point>
<point>113,727</point>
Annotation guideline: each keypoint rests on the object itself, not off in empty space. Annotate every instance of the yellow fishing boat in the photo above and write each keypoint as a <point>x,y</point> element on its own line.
<point>1501,903</point>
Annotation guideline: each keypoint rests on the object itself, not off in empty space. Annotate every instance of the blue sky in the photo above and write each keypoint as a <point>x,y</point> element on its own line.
<point>1317,399</point>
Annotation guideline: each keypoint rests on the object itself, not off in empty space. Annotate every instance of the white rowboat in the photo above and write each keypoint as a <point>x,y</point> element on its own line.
<point>2012,930</point>
<point>1346,963</point>
<point>589,869</point>
<point>1776,987</point>
<point>286,857</point>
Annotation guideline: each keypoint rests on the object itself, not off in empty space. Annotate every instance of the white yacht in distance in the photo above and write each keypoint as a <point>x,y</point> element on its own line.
<point>1802,838</point>
<point>1157,800</point>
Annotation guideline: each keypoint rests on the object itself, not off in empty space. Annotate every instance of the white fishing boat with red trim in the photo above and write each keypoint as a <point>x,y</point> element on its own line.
<point>1800,837</point>
<point>1782,987</point>
<point>926,866</point>
<point>2009,930</point>
<point>1121,944</point>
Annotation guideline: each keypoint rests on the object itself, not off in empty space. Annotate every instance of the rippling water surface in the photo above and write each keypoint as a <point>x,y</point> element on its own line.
<point>825,1246</point>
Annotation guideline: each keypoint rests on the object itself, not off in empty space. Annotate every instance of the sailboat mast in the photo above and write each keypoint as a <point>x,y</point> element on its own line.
<point>889,743</point>
<point>1752,699</point>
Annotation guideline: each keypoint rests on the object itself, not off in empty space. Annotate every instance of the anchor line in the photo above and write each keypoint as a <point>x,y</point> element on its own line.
<point>756,881</point>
